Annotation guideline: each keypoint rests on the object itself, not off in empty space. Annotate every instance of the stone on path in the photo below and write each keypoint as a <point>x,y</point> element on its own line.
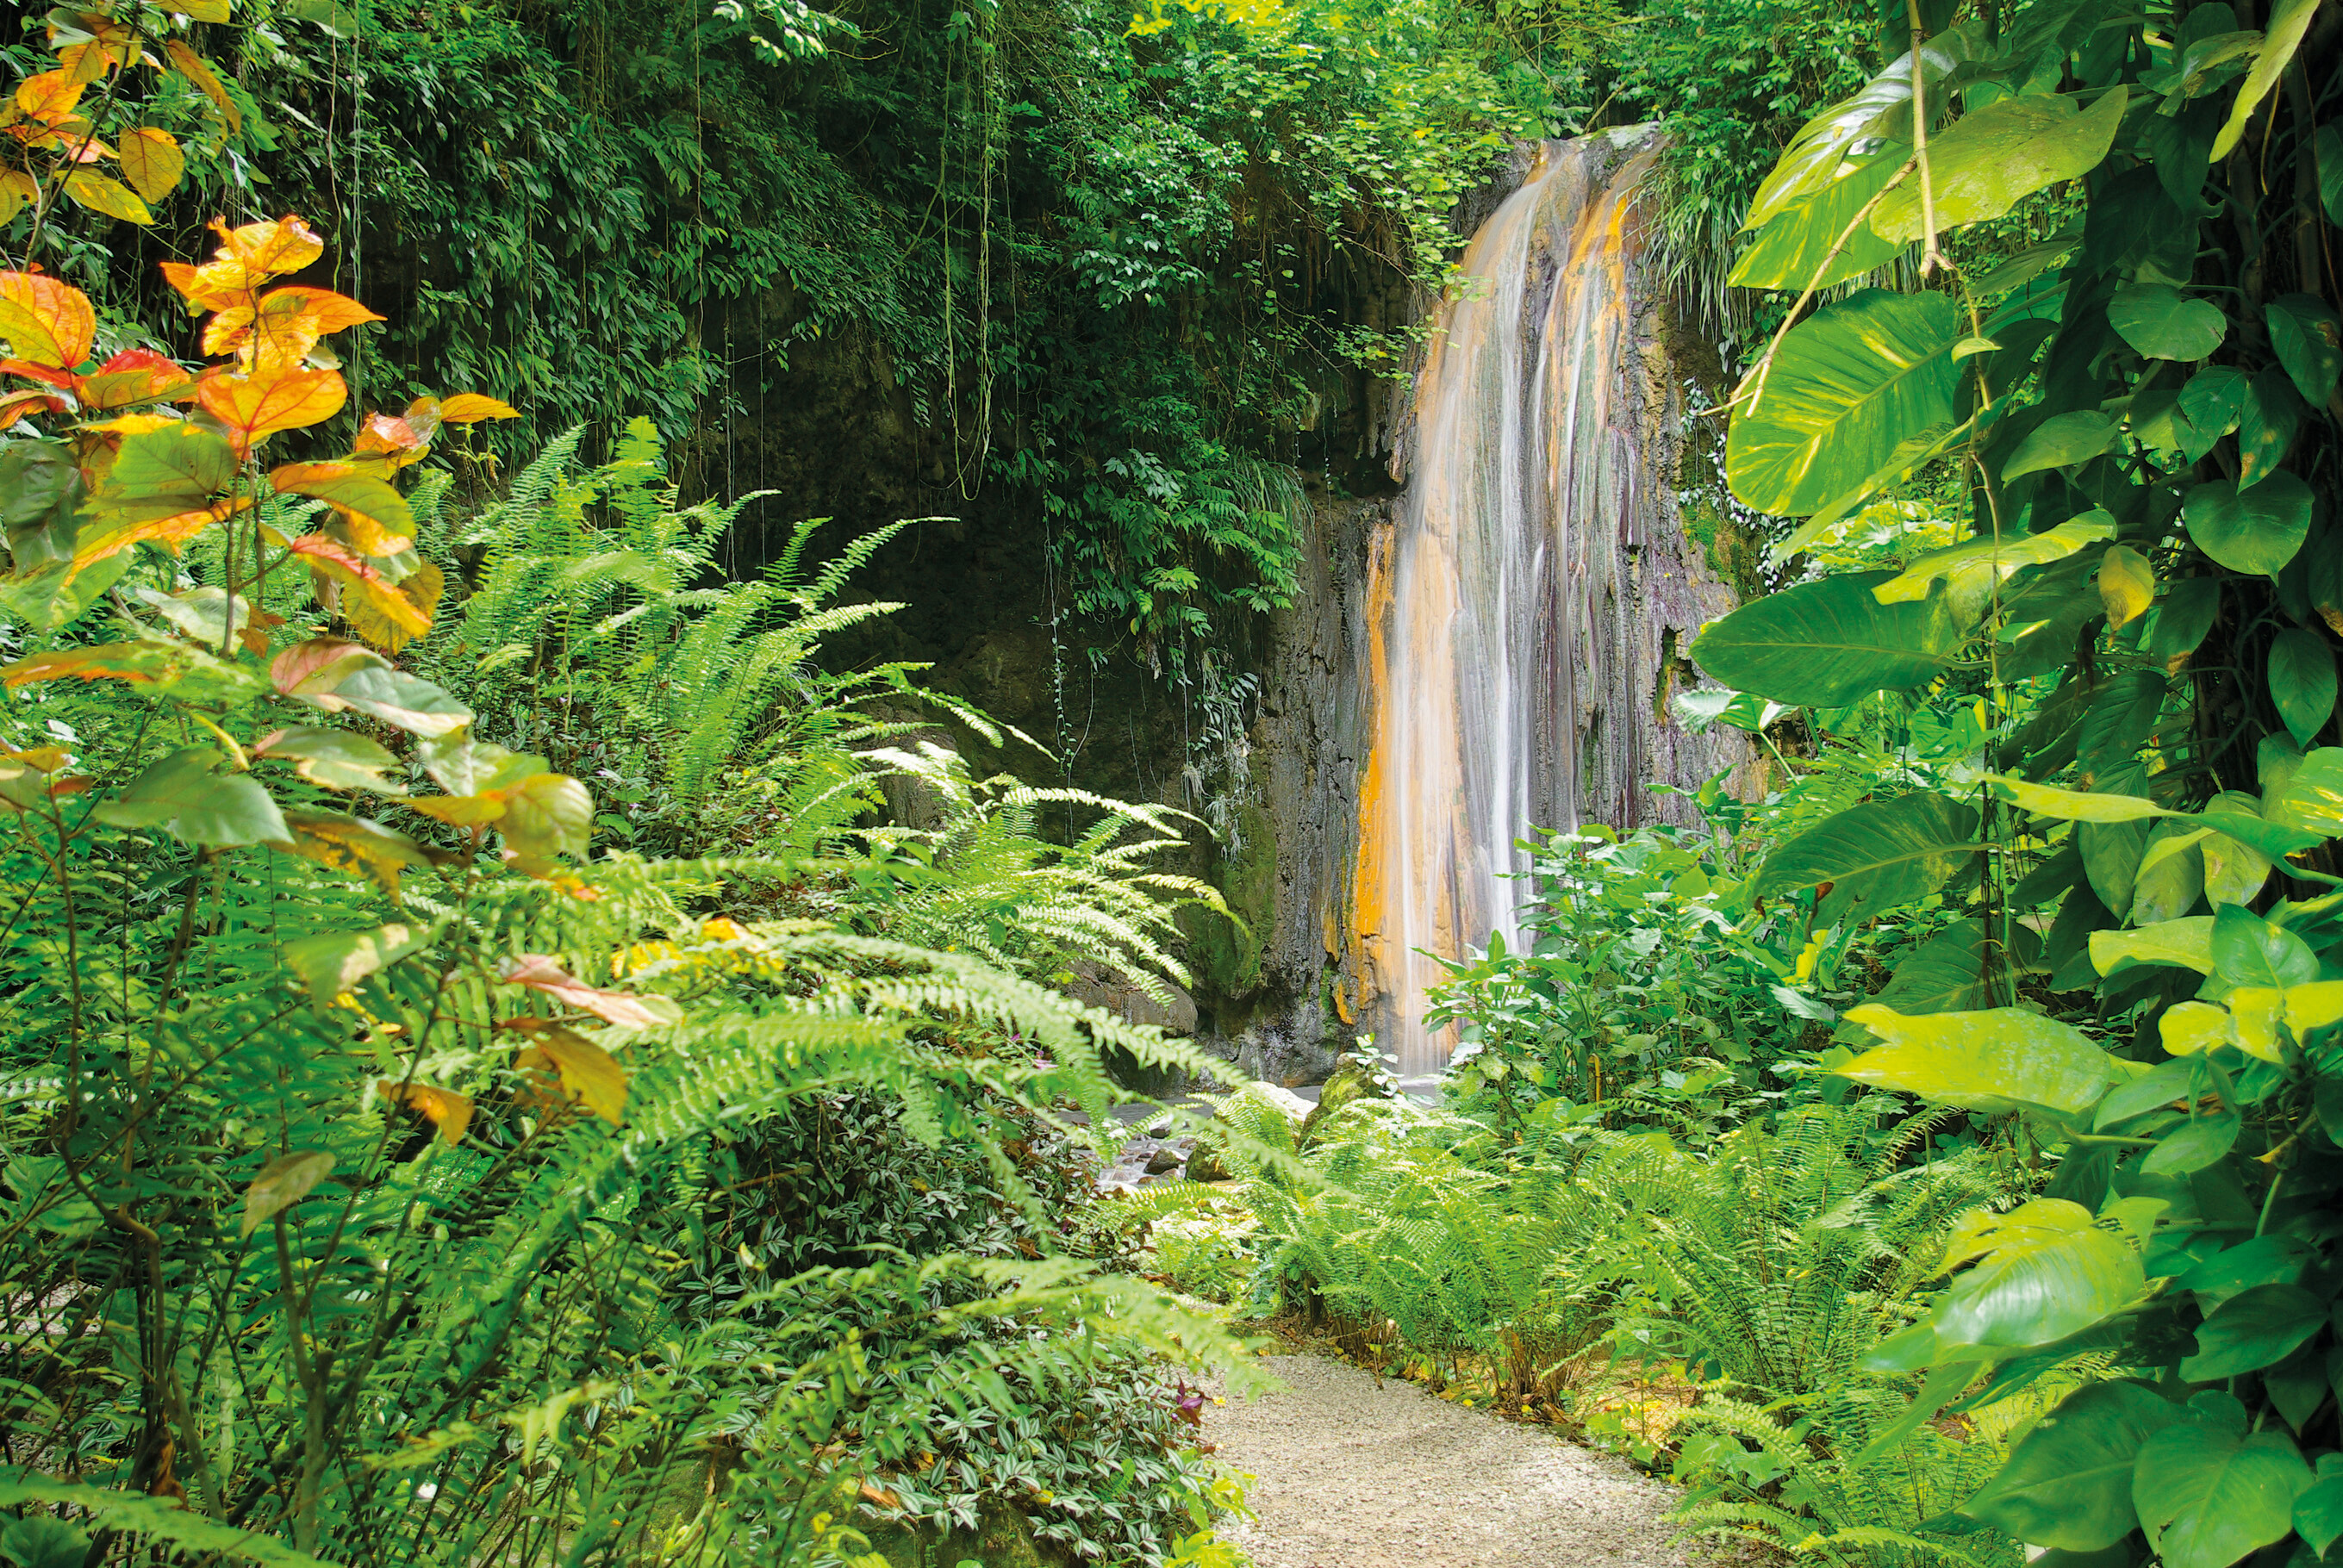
<point>1349,1476</point>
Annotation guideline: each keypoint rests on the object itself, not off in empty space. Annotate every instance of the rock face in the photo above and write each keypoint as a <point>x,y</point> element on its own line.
<point>1493,648</point>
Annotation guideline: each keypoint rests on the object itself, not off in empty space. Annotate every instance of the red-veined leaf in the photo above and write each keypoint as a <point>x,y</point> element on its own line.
<point>315,668</point>
<point>381,522</point>
<point>151,161</point>
<point>387,618</point>
<point>45,321</point>
<point>15,405</point>
<point>271,245</point>
<point>345,581</point>
<point>16,190</point>
<point>256,407</point>
<point>141,664</point>
<point>133,376</point>
<point>48,96</point>
<point>283,327</point>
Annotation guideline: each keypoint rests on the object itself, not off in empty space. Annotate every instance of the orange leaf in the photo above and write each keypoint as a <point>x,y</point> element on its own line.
<point>364,596</point>
<point>386,618</point>
<point>133,376</point>
<point>141,663</point>
<point>255,407</point>
<point>172,531</point>
<point>198,70</point>
<point>108,45</point>
<point>390,438</point>
<point>423,417</point>
<point>451,1111</point>
<point>380,521</point>
<point>15,405</point>
<point>537,971</point>
<point>587,1071</point>
<point>215,286</point>
<point>284,327</point>
<point>151,161</point>
<point>49,374</point>
<point>49,96</point>
<point>470,409</point>
<point>45,321</point>
<point>272,246</point>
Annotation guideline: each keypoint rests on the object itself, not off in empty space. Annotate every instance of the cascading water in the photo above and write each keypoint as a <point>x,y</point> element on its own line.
<point>1526,612</point>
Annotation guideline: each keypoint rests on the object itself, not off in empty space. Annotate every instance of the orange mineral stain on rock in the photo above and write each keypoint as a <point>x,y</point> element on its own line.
<point>1514,636</point>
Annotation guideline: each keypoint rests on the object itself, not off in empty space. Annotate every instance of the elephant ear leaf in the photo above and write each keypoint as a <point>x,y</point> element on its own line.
<point>1843,392</point>
<point>1995,1060</point>
<point>1828,643</point>
<point>2067,1484</point>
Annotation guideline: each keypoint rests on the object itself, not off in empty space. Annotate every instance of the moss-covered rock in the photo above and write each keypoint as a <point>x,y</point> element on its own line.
<point>1352,1080</point>
<point>1225,956</point>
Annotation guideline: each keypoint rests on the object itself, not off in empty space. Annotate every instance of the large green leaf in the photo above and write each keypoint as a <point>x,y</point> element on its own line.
<point>2254,531</point>
<point>1848,387</point>
<point>2254,1329</point>
<point>2302,682</point>
<point>2289,21</point>
<point>1882,111</point>
<point>1989,161</point>
<point>2067,1483</point>
<point>332,962</point>
<point>1999,1059</point>
<point>2319,1512</point>
<point>2073,805</point>
<point>2157,320</point>
<point>1794,249</point>
<point>2312,799</point>
<point>2247,950</point>
<point>2305,333</point>
<point>1825,644</point>
<point>2273,418</point>
<point>2185,943</point>
<point>186,793</point>
<point>1881,854</point>
<point>2208,1495</point>
<point>2045,1270</point>
<point>1971,570</point>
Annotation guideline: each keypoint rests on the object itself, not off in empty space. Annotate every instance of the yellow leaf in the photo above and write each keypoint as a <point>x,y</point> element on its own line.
<point>151,161</point>
<point>355,845</point>
<point>16,191</point>
<point>109,199</point>
<point>2126,585</point>
<point>451,1112</point>
<point>587,1071</point>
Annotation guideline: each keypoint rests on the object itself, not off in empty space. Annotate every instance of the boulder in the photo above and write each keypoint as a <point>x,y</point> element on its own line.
<point>1206,1165</point>
<point>1353,1079</point>
<point>1095,985</point>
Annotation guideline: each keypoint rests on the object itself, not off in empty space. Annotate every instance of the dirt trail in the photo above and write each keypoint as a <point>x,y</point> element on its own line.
<point>1350,1476</point>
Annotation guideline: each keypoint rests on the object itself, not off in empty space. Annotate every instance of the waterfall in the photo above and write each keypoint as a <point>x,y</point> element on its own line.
<point>1525,611</point>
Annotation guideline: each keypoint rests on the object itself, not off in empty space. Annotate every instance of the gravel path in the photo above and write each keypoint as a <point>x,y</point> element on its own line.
<point>1349,1476</point>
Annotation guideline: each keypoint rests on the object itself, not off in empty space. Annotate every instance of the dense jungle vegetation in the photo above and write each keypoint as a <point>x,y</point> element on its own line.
<point>510,1055</point>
